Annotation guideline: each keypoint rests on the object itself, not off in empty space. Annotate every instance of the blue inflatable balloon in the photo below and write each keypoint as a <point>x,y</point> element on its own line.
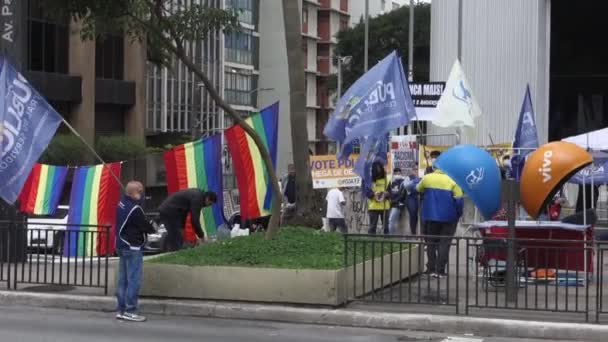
<point>477,173</point>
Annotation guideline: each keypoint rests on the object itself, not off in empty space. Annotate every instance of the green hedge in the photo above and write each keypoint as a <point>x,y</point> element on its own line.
<point>66,149</point>
<point>294,248</point>
<point>118,148</point>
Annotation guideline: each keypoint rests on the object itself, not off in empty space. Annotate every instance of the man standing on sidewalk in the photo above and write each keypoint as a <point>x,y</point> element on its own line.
<point>130,240</point>
<point>288,189</point>
<point>441,209</point>
<point>335,213</point>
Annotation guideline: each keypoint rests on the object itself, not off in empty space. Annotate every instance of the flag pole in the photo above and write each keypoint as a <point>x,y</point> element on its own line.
<point>92,150</point>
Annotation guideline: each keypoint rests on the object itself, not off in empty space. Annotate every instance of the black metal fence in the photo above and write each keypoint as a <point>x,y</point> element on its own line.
<point>55,254</point>
<point>560,279</point>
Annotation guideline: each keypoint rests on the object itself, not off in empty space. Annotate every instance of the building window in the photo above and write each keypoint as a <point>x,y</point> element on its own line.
<point>343,24</point>
<point>109,57</point>
<point>238,88</point>
<point>239,47</point>
<point>245,9</point>
<point>48,41</point>
<point>305,20</point>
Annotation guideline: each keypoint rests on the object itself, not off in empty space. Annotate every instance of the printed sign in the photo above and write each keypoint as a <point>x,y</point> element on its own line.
<point>425,97</point>
<point>404,152</point>
<point>424,158</point>
<point>329,172</point>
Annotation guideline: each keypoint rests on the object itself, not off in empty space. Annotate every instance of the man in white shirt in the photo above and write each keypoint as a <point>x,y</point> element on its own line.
<point>335,213</point>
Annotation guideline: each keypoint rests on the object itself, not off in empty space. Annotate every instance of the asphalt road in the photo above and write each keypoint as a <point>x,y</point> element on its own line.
<point>42,325</point>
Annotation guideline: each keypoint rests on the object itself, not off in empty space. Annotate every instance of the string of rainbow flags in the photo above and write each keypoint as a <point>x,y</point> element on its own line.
<point>95,190</point>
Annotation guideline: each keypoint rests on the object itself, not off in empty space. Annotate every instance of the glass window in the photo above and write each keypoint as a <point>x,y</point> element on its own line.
<point>47,41</point>
<point>238,88</point>
<point>245,8</point>
<point>239,47</point>
<point>109,57</point>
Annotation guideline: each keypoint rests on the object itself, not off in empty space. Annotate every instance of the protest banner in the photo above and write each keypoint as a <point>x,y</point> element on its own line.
<point>404,152</point>
<point>329,172</point>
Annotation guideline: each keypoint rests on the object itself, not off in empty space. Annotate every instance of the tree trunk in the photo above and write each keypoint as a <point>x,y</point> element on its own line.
<point>308,208</point>
<point>273,225</point>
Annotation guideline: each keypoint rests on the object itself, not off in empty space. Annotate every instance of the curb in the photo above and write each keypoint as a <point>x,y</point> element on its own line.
<point>323,316</point>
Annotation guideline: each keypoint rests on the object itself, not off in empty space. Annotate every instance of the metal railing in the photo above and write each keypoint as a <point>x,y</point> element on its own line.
<point>58,254</point>
<point>557,278</point>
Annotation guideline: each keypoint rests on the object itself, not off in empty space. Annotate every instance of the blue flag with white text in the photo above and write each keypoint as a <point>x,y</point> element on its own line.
<point>27,125</point>
<point>375,104</point>
<point>526,136</point>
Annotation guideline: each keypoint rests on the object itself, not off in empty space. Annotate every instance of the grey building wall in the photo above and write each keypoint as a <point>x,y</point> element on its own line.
<point>505,45</point>
<point>273,74</point>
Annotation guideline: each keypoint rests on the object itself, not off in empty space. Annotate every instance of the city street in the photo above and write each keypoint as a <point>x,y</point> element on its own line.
<point>42,325</point>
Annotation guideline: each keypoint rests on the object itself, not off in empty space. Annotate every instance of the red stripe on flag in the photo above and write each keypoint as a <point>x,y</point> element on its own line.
<point>30,190</point>
<point>170,171</point>
<point>109,196</point>
<point>244,171</point>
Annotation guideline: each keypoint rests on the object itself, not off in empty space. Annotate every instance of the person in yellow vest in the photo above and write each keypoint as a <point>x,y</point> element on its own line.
<point>378,199</point>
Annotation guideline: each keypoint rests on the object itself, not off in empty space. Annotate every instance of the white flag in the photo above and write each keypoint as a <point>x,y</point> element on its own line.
<point>457,106</point>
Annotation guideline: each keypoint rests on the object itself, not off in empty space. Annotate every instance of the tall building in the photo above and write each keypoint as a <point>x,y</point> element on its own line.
<point>176,101</point>
<point>376,8</point>
<point>96,85</point>
<point>553,46</point>
<point>320,20</point>
<point>241,58</point>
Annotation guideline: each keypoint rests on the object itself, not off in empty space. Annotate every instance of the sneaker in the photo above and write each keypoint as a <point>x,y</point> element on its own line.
<point>120,315</point>
<point>439,275</point>
<point>133,317</point>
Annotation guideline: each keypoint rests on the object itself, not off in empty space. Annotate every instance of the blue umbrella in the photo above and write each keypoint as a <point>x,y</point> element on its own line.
<point>477,173</point>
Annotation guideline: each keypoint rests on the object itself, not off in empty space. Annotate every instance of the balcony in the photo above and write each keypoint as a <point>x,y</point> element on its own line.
<point>323,65</point>
<point>239,97</point>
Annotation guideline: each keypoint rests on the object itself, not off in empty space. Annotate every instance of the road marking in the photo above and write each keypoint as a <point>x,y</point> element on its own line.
<point>462,339</point>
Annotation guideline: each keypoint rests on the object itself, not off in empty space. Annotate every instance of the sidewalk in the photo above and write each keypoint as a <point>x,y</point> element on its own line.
<point>365,317</point>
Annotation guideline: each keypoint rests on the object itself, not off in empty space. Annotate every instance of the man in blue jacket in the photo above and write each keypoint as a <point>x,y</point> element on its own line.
<point>441,209</point>
<point>132,228</point>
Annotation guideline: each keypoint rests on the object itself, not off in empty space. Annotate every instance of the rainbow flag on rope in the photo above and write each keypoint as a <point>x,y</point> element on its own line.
<point>198,165</point>
<point>93,201</point>
<point>42,189</point>
<point>255,189</point>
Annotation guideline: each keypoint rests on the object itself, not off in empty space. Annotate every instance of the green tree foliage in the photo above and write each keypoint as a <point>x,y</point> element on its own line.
<point>387,32</point>
<point>119,148</point>
<point>66,149</point>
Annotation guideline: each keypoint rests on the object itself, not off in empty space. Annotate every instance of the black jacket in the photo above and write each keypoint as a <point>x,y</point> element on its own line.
<point>132,225</point>
<point>179,204</point>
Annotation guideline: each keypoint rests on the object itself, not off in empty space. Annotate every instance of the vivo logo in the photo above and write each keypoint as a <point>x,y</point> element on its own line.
<point>545,170</point>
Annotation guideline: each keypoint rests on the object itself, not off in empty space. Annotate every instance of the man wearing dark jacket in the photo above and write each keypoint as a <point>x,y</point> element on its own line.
<point>130,240</point>
<point>175,209</point>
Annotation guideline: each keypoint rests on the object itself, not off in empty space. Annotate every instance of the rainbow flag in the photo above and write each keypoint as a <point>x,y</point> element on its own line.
<point>42,190</point>
<point>93,202</point>
<point>198,165</point>
<point>255,189</point>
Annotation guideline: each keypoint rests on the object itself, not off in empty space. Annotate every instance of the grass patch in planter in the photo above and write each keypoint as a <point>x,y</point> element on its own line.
<point>292,247</point>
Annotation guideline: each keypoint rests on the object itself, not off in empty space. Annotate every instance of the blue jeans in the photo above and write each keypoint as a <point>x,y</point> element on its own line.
<point>393,220</point>
<point>412,209</point>
<point>129,279</point>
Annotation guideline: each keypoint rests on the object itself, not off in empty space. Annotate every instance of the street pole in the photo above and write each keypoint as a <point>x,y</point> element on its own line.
<point>339,77</point>
<point>366,43</point>
<point>410,51</point>
<point>460,31</point>
<point>512,197</point>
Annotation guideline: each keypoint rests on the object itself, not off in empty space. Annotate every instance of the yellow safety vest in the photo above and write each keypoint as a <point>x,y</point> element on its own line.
<point>380,185</point>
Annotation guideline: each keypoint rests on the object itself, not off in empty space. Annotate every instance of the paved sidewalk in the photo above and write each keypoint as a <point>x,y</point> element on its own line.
<point>349,317</point>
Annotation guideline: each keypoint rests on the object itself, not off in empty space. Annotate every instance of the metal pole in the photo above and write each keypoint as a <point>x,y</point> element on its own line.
<point>410,64</point>
<point>366,39</point>
<point>339,77</point>
<point>512,189</point>
<point>460,30</point>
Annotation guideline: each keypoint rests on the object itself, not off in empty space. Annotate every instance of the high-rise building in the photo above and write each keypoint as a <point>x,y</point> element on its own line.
<point>96,85</point>
<point>176,101</point>
<point>376,8</point>
<point>321,20</point>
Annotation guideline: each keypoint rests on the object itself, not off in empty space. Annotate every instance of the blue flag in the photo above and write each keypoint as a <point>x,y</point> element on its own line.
<point>375,104</point>
<point>598,172</point>
<point>526,135</point>
<point>373,149</point>
<point>27,125</point>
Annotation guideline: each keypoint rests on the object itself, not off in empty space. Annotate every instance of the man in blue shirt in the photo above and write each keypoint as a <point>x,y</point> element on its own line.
<point>133,229</point>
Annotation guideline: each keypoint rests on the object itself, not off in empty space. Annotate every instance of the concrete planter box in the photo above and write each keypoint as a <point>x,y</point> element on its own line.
<point>320,287</point>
